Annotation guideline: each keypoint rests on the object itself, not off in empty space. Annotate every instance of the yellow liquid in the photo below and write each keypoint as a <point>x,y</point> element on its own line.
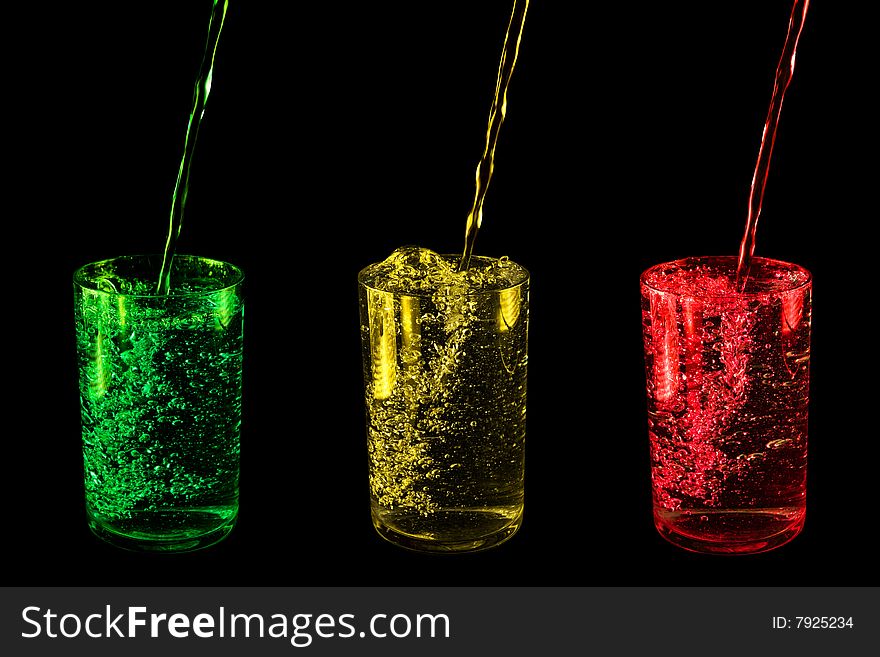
<point>496,118</point>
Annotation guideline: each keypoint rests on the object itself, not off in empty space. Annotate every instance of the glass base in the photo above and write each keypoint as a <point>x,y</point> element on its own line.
<point>726,531</point>
<point>449,531</point>
<point>174,541</point>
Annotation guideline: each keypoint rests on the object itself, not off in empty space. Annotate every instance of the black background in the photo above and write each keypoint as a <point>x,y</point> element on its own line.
<point>334,135</point>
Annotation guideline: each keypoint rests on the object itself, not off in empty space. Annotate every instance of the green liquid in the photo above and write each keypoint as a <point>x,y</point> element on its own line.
<point>445,360</point>
<point>200,98</point>
<point>160,392</point>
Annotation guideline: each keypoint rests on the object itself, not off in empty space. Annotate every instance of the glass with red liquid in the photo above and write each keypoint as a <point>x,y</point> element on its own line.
<point>728,385</point>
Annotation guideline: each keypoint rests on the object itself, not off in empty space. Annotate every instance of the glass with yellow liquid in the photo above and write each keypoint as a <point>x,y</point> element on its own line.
<point>445,357</point>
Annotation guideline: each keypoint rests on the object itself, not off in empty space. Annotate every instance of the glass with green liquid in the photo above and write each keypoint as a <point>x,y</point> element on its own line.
<point>445,355</point>
<point>160,379</point>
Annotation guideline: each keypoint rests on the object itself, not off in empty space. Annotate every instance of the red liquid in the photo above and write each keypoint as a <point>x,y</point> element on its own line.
<point>728,376</point>
<point>784,71</point>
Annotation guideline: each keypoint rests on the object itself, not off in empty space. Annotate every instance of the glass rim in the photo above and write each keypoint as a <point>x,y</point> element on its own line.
<point>526,277</point>
<point>690,260</point>
<point>80,280</point>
